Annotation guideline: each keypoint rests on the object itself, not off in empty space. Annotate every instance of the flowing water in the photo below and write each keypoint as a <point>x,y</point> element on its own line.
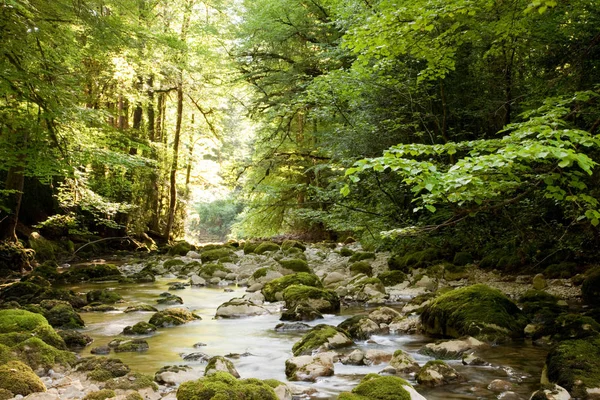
<point>519,363</point>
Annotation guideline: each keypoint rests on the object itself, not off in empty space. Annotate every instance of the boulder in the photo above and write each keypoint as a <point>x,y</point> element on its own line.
<point>140,328</point>
<point>295,265</point>
<point>334,278</point>
<point>19,379</point>
<point>134,345</point>
<point>273,291</point>
<point>554,392</point>
<point>102,368</point>
<point>302,312</point>
<point>220,364</point>
<point>590,288</point>
<point>196,356</point>
<point>451,349</point>
<point>376,357</point>
<point>478,311</point>
<point>140,308</point>
<point>223,385</point>
<point>172,317</point>
<point>322,300</point>
<point>360,327</point>
<point>438,373</point>
<point>292,327</point>
<point>196,280</point>
<point>499,385</point>
<point>75,339</point>
<point>60,314</point>
<point>169,299</point>
<point>364,289</point>
<point>377,387</point>
<point>309,368</point>
<point>404,363</point>
<point>384,315</point>
<point>321,338</point>
<point>17,326</point>
<point>539,282</point>
<point>174,375</point>
<point>103,296</point>
<point>239,308</point>
<point>356,357</point>
<point>408,325</point>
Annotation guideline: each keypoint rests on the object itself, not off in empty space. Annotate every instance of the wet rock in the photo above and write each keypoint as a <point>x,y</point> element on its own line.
<point>472,359</point>
<point>141,328</point>
<point>60,314</point>
<point>196,280</point>
<point>498,385</point>
<point>103,296</point>
<point>100,350</point>
<point>375,386</point>
<point>256,297</point>
<point>102,368</point>
<point>404,363</point>
<point>99,308</point>
<point>438,373</point>
<point>220,364</point>
<point>134,345</point>
<point>173,375</point>
<point>554,392</point>
<point>239,308</point>
<point>478,310</point>
<point>169,299</point>
<point>356,357</point>
<point>322,300</point>
<point>384,315</point>
<point>321,338</point>
<point>539,282</point>
<point>75,339</point>
<point>236,356</point>
<point>408,325</point>
<point>301,312</point>
<point>451,349</point>
<point>360,327</point>
<point>177,286</point>
<point>292,327</point>
<point>197,356</point>
<point>363,289</point>
<point>376,357</point>
<point>199,344</point>
<point>172,317</point>
<point>309,368</point>
<point>222,385</point>
<point>509,396</point>
<point>273,291</point>
<point>140,307</point>
<point>334,278</point>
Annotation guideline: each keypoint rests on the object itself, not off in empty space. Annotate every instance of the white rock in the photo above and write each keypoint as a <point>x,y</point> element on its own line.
<point>193,255</point>
<point>196,280</point>
<point>451,349</point>
<point>309,368</point>
<point>558,393</point>
<point>239,308</point>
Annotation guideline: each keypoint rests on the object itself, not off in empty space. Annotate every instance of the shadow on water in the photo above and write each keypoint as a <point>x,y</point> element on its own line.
<point>519,363</point>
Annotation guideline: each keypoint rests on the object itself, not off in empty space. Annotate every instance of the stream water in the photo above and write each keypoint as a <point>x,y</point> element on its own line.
<point>519,363</point>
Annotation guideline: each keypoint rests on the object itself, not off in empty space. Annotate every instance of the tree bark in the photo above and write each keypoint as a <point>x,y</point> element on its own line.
<point>15,180</point>
<point>173,174</point>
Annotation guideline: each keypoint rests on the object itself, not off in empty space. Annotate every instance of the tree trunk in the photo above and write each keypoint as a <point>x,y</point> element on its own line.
<point>173,174</point>
<point>151,115</point>
<point>15,180</point>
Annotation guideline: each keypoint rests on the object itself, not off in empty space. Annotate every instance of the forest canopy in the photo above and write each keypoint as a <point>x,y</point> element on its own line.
<point>468,123</point>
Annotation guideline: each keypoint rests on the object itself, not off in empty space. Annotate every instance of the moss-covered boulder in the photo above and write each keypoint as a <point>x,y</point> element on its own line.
<point>221,386</point>
<point>265,247</point>
<point>361,256</point>
<point>438,373</point>
<point>462,258</point>
<point>479,311</point>
<point>75,339</point>
<point>302,312</point>
<point>361,267</point>
<point>220,364</point>
<point>239,308</point>
<point>18,378</point>
<point>22,292</point>
<point>346,252</point>
<point>322,300</point>
<point>273,291</point>
<point>207,271</point>
<point>309,368</point>
<point>17,326</point>
<point>140,308</point>
<point>295,265</point>
<point>360,327</point>
<point>38,354</point>
<point>377,387</point>
<point>392,278</point>
<point>169,299</point>
<point>129,346</point>
<point>575,365</point>
<point>180,248</point>
<point>216,254</point>
<point>172,317</point>
<point>321,338</point>
<point>288,244</point>
<point>96,273</point>
<point>61,314</point>
<point>132,381</point>
<point>404,363</point>
<point>140,328</point>
<point>102,394</point>
<point>101,368</point>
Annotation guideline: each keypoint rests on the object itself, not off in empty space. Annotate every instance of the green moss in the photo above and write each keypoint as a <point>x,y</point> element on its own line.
<point>97,273</point>
<point>288,244</point>
<point>271,289</point>
<point>361,267</point>
<point>391,278</point>
<point>261,272</point>
<point>223,386</point>
<point>540,306</point>
<point>100,395</point>
<point>6,394</point>
<point>322,300</point>
<point>264,247</point>
<point>37,280</point>
<point>64,316</point>
<point>397,262</point>
<point>478,311</point>
<point>172,317</point>
<point>180,249</point>
<point>174,262</point>
<point>75,339</point>
<point>141,328</point>
<point>317,337</point>
<point>44,332</point>
<point>134,396</point>
<point>377,387</point>
<point>575,360</point>
<point>36,353</point>
<point>295,265</point>
<point>346,252</point>
<point>22,292</point>
<point>101,368</point>
<point>574,326</point>
<point>18,378</point>
<point>20,320</point>
<point>462,258</point>
<point>361,256</point>
<point>103,296</point>
<point>132,381</point>
<point>208,270</point>
<point>509,263</point>
<point>590,289</point>
<point>216,254</point>
<point>249,247</point>
<point>354,326</point>
<point>563,270</point>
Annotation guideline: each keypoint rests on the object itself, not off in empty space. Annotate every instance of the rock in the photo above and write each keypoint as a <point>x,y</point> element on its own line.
<point>321,338</point>
<point>222,385</point>
<point>478,310</point>
<point>60,314</point>
<point>384,315</point>
<point>575,365</point>
<point>135,345</point>
<point>197,356</point>
<point>334,278</point>
<point>438,373</point>
<point>498,385</point>
<point>169,299</point>
<point>539,282</point>
<point>273,291</point>
<point>309,368</point>
<point>404,363</point>
<point>199,344</point>
<point>360,327</point>
<point>100,350</point>
<point>103,296</point>
<point>239,308</point>
<point>173,375</point>
<point>256,297</point>
<point>19,379</point>
<point>140,307</point>
<point>141,328</point>
<point>407,325</point>
<point>292,327</point>
<point>509,396</point>
<point>196,280</point>
<point>376,357</point>
<point>427,283</point>
<point>554,393</point>
<point>356,357</point>
<point>255,288</point>
<point>301,312</point>
<point>364,289</point>
<point>375,386</point>
<point>177,286</point>
<point>220,364</point>
<point>102,368</point>
<point>471,359</point>
<point>194,255</point>
<point>75,339</point>
<point>322,300</point>
<point>451,349</point>
<point>172,317</point>
<point>294,265</point>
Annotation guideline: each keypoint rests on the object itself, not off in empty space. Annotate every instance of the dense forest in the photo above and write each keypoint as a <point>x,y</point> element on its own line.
<point>470,124</point>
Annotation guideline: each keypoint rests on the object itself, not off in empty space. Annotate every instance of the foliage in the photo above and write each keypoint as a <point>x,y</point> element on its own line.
<point>216,217</point>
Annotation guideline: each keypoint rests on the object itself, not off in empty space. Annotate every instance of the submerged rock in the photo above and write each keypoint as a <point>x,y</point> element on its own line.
<point>478,310</point>
<point>239,308</point>
<point>141,328</point>
<point>292,327</point>
<point>196,356</point>
<point>172,317</point>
